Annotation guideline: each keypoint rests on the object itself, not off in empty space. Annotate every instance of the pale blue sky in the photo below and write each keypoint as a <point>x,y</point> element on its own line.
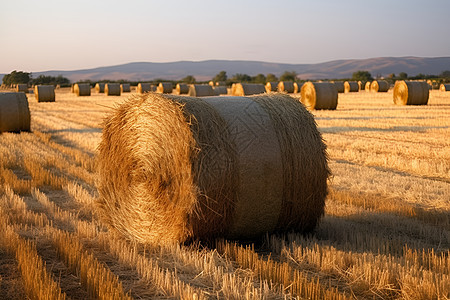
<point>67,35</point>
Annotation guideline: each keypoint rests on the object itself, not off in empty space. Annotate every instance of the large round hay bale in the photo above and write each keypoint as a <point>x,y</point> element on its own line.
<point>112,89</point>
<point>100,87</point>
<point>271,86</point>
<point>297,87</point>
<point>82,89</point>
<point>246,89</point>
<point>339,86</point>
<point>285,87</point>
<point>44,93</point>
<point>181,88</point>
<point>164,88</point>
<point>188,168</point>
<point>411,92</point>
<point>367,86</point>
<point>379,86</point>
<point>444,87</point>
<point>22,87</point>
<point>145,87</point>
<point>14,112</point>
<point>220,90</point>
<point>125,88</point>
<point>200,90</point>
<point>351,87</point>
<point>319,95</point>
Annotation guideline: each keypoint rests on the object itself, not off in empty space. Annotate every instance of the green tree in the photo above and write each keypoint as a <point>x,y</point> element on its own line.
<point>271,77</point>
<point>260,78</point>
<point>189,79</point>
<point>445,74</point>
<point>222,76</point>
<point>16,77</point>
<point>402,75</point>
<point>289,76</point>
<point>362,76</point>
<point>241,78</point>
<point>51,80</point>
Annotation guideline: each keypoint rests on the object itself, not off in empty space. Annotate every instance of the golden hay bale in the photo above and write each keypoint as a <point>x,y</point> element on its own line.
<point>125,88</point>
<point>285,87</point>
<point>297,87</point>
<point>14,112</point>
<point>367,86</point>
<point>411,92</point>
<point>361,85</point>
<point>444,87</point>
<point>112,89</point>
<point>82,89</point>
<point>351,87</point>
<point>220,90</point>
<point>379,86</point>
<point>319,95</point>
<point>221,83</point>
<point>165,88</point>
<point>200,90</point>
<point>188,168</point>
<point>246,89</point>
<point>339,86</point>
<point>211,83</point>
<point>145,87</point>
<point>22,87</point>
<point>100,87</point>
<point>181,88</point>
<point>271,86</point>
<point>44,93</point>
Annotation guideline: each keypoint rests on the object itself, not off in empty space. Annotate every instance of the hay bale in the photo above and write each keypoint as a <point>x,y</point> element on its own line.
<point>100,87</point>
<point>82,89</point>
<point>246,89</point>
<point>200,90</point>
<point>221,83</point>
<point>351,87</point>
<point>164,88</point>
<point>361,85</point>
<point>319,95</point>
<point>297,87</point>
<point>285,87</point>
<point>14,112</point>
<point>200,168</point>
<point>181,88</point>
<point>125,88</point>
<point>220,90</point>
<point>339,86</point>
<point>379,86</point>
<point>411,92</point>
<point>22,87</point>
<point>444,87</point>
<point>211,83</point>
<point>112,89</point>
<point>271,86</point>
<point>367,86</point>
<point>44,93</point>
<point>145,87</point>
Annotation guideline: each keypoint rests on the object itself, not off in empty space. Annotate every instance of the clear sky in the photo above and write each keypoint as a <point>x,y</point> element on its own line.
<point>68,35</point>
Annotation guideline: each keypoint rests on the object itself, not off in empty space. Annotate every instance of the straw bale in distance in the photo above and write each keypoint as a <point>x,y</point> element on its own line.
<point>44,93</point>
<point>339,86</point>
<point>201,90</point>
<point>246,89</point>
<point>271,86</point>
<point>100,87</point>
<point>361,85</point>
<point>297,87</point>
<point>367,86</point>
<point>285,87</point>
<point>379,86</point>
<point>181,88</point>
<point>165,88</point>
<point>220,90</point>
<point>411,92</point>
<point>351,87</point>
<point>22,87</point>
<point>444,87</point>
<point>125,88</point>
<point>145,87</point>
<point>14,112</point>
<point>319,95</point>
<point>112,89</point>
<point>82,89</point>
<point>188,168</point>
<point>221,83</point>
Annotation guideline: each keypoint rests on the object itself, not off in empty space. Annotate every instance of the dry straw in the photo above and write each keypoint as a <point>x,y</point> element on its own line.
<point>220,90</point>
<point>285,87</point>
<point>339,86</point>
<point>112,89</point>
<point>165,88</point>
<point>200,90</point>
<point>367,86</point>
<point>44,93</point>
<point>22,87</point>
<point>181,88</point>
<point>444,87</point>
<point>297,87</point>
<point>100,87</point>
<point>246,89</point>
<point>361,85</point>
<point>145,87</point>
<point>188,168</point>
<point>351,87</point>
<point>379,86</point>
<point>319,95</point>
<point>271,86</point>
<point>82,89</point>
<point>125,88</point>
<point>14,112</point>
<point>411,93</point>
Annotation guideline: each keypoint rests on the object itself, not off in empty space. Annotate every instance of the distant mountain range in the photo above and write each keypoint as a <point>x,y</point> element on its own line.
<point>205,70</point>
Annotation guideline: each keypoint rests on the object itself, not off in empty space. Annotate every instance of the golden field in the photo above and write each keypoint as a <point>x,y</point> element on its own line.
<point>385,234</point>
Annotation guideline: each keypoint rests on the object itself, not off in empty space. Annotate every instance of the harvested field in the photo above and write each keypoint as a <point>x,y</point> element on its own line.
<point>385,233</point>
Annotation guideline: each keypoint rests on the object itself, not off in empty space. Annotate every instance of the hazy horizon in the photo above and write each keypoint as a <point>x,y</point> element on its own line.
<point>54,35</point>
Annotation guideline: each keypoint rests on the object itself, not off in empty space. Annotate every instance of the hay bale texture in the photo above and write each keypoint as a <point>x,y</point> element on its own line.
<point>125,88</point>
<point>82,89</point>
<point>361,85</point>
<point>44,93</point>
<point>444,87</point>
<point>297,87</point>
<point>181,88</point>
<point>200,90</point>
<point>246,89</point>
<point>271,86</point>
<point>411,92</point>
<point>351,87</point>
<point>145,87</point>
<point>188,168</point>
<point>220,90</point>
<point>112,89</point>
<point>319,95</point>
<point>285,87</point>
<point>339,86</point>
<point>379,86</point>
<point>367,86</point>
<point>22,87</point>
<point>164,88</point>
<point>14,112</point>
<point>100,87</point>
